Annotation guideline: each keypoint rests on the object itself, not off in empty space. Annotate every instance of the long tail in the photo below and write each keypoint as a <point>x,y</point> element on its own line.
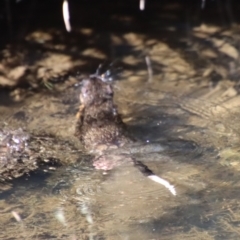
<point>149,173</point>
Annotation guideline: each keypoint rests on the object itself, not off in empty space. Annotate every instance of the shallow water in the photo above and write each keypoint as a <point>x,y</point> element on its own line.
<point>189,107</point>
<point>77,202</point>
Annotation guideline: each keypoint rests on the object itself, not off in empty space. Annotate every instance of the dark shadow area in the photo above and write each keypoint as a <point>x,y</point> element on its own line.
<point>33,31</point>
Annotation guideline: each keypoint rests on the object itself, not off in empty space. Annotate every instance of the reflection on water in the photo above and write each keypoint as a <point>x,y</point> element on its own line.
<point>78,202</point>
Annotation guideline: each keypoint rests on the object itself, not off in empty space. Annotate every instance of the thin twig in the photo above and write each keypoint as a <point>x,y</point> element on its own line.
<point>149,68</point>
<point>66,15</point>
<point>141,5</point>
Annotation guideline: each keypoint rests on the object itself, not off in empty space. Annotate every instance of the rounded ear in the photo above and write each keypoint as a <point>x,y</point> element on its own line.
<point>85,88</point>
<point>85,82</point>
<point>109,89</point>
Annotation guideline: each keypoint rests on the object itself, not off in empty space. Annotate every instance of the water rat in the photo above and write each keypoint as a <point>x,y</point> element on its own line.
<point>100,128</point>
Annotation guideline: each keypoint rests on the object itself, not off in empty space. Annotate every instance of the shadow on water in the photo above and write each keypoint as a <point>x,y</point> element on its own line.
<point>34,182</point>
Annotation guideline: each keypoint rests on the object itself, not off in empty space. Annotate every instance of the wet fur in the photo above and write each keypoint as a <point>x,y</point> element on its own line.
<point>98,120</point>
<point>100,127</point>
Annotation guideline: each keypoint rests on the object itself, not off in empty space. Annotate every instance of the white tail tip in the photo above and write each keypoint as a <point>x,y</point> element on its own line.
<point>165,183</point>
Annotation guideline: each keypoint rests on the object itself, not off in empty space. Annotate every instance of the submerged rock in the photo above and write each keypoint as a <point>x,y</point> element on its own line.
<point>16,158</point>
<point>21,153</point>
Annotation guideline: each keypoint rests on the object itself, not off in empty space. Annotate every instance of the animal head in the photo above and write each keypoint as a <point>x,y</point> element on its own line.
<point>95,91</point>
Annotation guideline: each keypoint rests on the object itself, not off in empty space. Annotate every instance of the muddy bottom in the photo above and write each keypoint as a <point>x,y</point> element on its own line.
<point>78,202</point>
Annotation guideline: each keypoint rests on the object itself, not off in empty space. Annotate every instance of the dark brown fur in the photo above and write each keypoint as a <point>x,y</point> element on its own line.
<point>99,123</point>
<point>100,128</point>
